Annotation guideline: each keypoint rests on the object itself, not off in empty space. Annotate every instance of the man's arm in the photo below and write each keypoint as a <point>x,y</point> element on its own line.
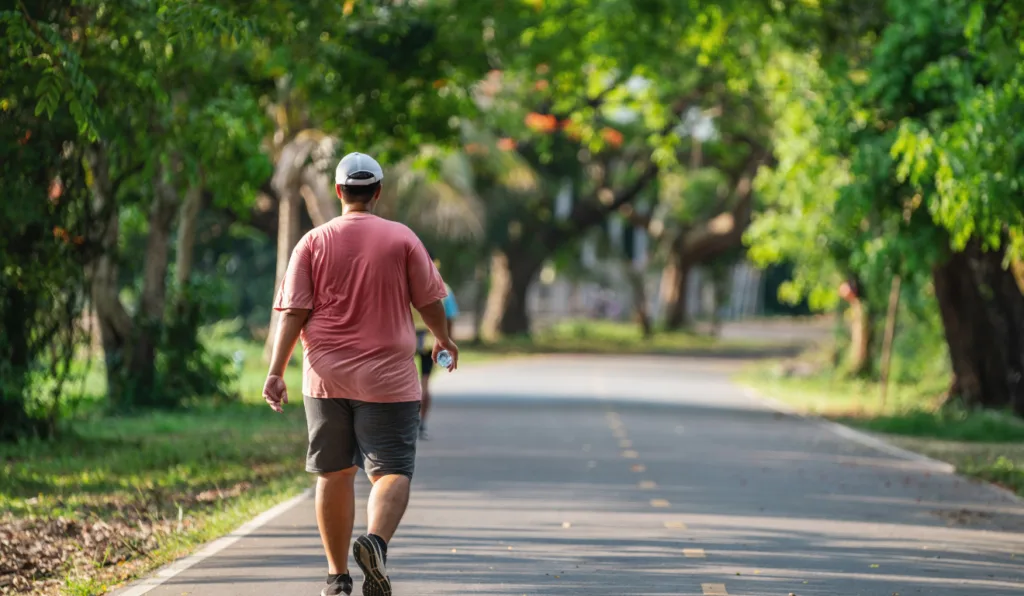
<point>288,328</point>
<point>435,319</point>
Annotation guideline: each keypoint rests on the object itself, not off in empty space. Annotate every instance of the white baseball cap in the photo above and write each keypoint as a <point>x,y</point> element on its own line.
<point>358,169</point>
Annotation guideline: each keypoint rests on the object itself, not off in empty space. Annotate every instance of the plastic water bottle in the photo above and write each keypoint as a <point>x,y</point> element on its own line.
<point>444,358</point>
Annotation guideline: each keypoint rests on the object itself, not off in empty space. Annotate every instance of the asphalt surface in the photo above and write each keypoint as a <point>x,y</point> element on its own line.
<point>614,475</point>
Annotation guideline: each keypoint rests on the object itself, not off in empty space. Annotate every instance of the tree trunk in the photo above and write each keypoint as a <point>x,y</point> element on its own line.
<point>859,357</point>
<point>287,183</point>
<point>14,420</point>
<point>512,273</point>
<point>288,233</point>
<point>890,334</point>
<point>321,208</point>
<point>186,242</point>
<point>115,325</point>
<point>150,317</point>
<point>674,287</point>
<point>479,302</point>
<point>982,312</point>
<point>636,280</point>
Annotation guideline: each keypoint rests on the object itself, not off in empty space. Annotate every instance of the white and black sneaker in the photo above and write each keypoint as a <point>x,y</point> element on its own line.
<point>371,553</point>
<point>337,585</point>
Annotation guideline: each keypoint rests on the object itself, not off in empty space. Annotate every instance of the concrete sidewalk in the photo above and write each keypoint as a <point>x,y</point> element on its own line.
<point>652,476</point>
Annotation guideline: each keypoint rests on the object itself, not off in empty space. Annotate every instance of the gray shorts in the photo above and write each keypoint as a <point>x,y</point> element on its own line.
<point>380,438</point>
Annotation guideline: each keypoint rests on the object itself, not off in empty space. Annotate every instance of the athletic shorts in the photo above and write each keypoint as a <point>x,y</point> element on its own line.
<point>380,438</point>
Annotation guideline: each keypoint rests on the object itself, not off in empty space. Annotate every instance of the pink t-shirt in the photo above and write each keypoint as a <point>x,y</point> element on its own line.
<point>358,274</point>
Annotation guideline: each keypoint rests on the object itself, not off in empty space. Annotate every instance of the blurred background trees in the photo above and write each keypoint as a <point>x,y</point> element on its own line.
<point>160,161</point>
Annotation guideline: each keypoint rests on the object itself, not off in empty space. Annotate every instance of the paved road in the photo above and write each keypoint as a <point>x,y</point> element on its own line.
<point>593,476</point>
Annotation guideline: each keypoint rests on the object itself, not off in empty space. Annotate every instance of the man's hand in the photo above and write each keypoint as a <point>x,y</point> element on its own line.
<point>451,347</point>
<point>275,392</point>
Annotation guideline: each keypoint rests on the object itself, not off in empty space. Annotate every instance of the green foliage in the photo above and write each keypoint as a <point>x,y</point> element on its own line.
<point>192,97</point>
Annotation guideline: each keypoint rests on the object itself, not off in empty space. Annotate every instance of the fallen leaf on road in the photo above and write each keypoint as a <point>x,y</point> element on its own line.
<point>874,565</point>
<point>566,525</point>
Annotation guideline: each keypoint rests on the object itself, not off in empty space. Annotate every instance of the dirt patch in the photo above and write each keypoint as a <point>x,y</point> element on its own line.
<point>37,553</point>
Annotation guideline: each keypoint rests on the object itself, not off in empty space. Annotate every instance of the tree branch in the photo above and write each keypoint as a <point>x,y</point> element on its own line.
<point>725,230</point>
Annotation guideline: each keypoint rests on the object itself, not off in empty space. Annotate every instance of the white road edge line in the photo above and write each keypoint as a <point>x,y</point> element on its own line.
<point>160,577</point>
<point>851,434</point>
<point>874,442</point>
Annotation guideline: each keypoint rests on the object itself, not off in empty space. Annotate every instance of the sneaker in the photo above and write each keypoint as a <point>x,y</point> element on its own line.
<point>371,558</point>
<point>337,585</point>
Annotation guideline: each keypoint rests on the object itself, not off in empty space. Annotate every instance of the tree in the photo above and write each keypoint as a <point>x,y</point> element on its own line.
<point>917,140</point>
<point>962,150</point>
<point>599,114</point>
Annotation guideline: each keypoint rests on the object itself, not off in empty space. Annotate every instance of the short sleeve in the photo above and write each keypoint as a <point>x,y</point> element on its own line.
<point>425,283</point>
<point>297,289</point>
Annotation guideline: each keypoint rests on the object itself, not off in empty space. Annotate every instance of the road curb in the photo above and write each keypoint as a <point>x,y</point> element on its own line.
<point>159,577</point>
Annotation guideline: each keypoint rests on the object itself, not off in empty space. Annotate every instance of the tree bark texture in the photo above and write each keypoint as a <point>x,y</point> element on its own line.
<point>638,288</point>
<point>114,323</point>
<point>982,311</point>
<point>705,242</point>
<point>858,362</point>
<point>512,273</point>
<point>186,241</point>
<point>287,184</point>
<point>149,319</point>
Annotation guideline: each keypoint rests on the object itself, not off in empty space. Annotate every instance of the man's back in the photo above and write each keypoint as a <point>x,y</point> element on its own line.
<point>363,272</point>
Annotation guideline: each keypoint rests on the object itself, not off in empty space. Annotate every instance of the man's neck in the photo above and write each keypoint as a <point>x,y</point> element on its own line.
<point>347,208</point>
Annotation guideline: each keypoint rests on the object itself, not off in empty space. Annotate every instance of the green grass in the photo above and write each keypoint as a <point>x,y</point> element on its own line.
<point>988,445</point>
<point>608,337</point>
<point>216,467</point>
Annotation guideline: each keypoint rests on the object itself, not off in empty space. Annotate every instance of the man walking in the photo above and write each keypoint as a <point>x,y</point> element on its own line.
<point>347,292</point>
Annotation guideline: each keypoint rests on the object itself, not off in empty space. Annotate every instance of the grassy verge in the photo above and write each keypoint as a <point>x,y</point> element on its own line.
<point>117,496</point>
<point>606,337</point>
<point>123,495</point>
<point>981,444</point>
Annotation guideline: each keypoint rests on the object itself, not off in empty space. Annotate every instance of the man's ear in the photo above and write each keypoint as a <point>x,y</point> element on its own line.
<point>376,194</point>
<point>337,190</point>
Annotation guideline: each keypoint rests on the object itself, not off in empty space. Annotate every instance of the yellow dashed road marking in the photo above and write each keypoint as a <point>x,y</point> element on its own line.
<point>675,525</point>
<point>618,433</point>
<point>630,454</point>
<point>645,484</point>
<point>694,553</point>
<point>625,443</point>
<point>661,503</point>
<point>638,468</point>
<point>714,589</point>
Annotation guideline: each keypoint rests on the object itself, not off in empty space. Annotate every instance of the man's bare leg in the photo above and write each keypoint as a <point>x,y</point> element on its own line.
<point>335,514</point>
<point>388,500</point>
